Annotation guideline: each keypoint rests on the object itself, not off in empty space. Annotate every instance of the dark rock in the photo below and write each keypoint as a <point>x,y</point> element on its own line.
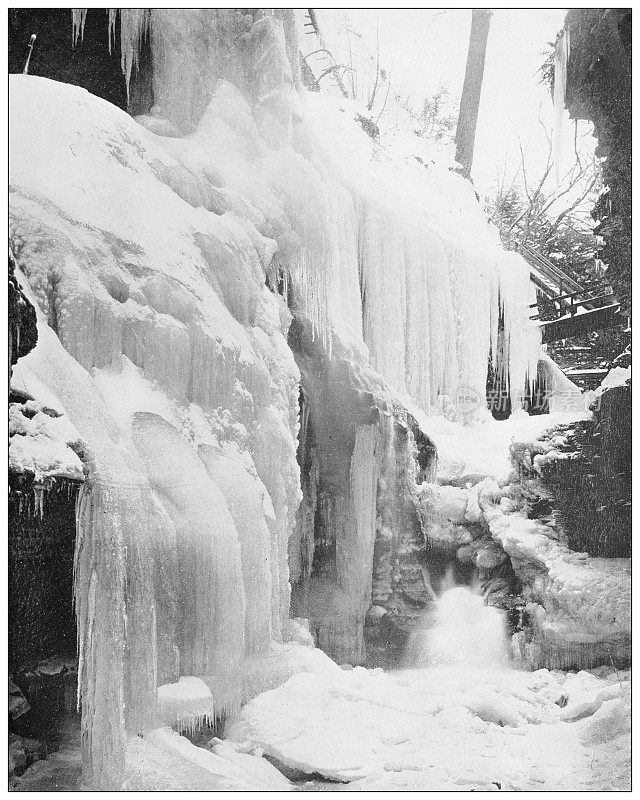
<point>23,329</point>
<point>18,704</point>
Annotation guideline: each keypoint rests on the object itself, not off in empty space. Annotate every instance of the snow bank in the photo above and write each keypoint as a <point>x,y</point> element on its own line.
<point>470,453</point>
<point>407,731</point>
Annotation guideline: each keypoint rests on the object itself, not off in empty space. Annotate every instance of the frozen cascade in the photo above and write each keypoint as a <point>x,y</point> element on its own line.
<point>212,601</point>
<point>430,292</point>
<point>170,358</point>
<point>248,504</point>
<point>114,595</point>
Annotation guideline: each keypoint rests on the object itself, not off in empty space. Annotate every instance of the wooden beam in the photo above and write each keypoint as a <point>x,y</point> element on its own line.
<point>580,324</point>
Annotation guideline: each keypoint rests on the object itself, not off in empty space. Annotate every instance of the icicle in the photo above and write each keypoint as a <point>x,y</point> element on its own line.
<point>134,26</point>
<point>38,500</point>
<point>113,16</point>
<point>354,548</point>
<point>79,17</point>
<point>559,91</point>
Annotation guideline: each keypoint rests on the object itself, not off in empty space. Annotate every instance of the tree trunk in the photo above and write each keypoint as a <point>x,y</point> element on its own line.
<point>470,101</point>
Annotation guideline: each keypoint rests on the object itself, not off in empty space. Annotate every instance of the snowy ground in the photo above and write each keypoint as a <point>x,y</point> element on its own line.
<point>469,453</point>
<point>366,730</point>
<point>443,729</point>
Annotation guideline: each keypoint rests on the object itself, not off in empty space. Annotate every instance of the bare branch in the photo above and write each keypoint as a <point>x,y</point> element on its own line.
<point>572,207</point>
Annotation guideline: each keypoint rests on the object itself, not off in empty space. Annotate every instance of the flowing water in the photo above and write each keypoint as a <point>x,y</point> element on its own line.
<point>459,631</point>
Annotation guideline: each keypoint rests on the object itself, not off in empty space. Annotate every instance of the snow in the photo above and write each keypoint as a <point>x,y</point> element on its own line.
<point>187,704</point>
<point>165,761</point>
<point>439,729</point>
<point>469,453</point>
<point>465,722</point>
<point>618,376</point>
<point>42,442</point>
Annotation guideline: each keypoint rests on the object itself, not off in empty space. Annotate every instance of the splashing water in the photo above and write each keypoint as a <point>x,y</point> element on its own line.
<point>460,632</point>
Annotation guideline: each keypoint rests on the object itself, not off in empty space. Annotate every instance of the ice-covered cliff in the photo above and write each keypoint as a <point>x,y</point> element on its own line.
<point>168,257</point>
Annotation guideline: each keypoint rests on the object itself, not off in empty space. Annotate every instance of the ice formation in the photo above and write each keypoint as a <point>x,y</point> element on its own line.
<point>165,761</point>
<point>362,238</point>
<point>169,355</point>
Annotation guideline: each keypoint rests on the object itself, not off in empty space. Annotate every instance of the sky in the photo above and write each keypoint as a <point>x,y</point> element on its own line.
<point>423,48</point>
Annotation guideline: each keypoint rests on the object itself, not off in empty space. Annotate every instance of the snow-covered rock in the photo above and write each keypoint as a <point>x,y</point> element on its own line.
<point>43,442</point>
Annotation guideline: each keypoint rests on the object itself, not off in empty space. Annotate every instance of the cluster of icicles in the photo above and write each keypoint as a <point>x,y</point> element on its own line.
<point>382,260</point>
<point>32,503</point>
<point>134,27</point>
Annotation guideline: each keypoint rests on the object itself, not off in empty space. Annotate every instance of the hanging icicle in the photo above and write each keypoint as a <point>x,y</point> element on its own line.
<point>135,24</point>
<point>79,17</point>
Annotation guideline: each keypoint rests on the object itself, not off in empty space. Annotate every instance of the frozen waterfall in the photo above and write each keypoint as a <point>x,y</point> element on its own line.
<point>392,255</point>
<point>175,362</point>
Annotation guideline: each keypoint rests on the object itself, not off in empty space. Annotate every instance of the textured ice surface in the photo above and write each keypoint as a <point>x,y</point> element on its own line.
<point>165,761</point>
<point>149,364</point>
<point>443,729</point>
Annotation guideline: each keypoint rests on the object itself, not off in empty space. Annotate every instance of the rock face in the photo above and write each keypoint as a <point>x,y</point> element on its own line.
<point>577,604</point>
<point>23,331</point>
<point>42,532</point>
<point>583,471</point>
<point>598,89</point>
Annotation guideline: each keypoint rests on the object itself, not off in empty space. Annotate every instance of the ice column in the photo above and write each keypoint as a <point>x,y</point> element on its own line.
<point>354,545</point>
